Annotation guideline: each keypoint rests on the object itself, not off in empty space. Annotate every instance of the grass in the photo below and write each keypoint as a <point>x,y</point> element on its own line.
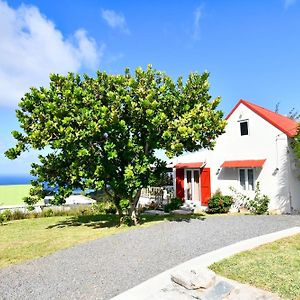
<point>274,267</point>
<point>27,239</point>
<point>13,194</point>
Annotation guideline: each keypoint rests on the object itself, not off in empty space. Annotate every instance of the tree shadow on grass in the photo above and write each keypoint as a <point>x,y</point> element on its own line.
<point>109,221</point>
<point>93,221</point>
<point>172,218</point>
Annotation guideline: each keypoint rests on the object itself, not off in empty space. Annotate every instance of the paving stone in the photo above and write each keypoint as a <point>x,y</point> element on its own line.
<point>245,292</point>
<point>194,279</point>
<point>181,212</point>
<point>176,292</point>
<point>218,292</point>
<point>154,212</point>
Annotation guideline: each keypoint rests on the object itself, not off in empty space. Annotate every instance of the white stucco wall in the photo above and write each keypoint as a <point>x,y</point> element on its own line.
<point>263,142</point>
<point>293,179</point>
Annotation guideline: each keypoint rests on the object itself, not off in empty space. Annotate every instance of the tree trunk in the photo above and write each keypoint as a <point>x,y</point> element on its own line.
<point>134,217</point>
<point>133,213</point>
<point>119,209</point>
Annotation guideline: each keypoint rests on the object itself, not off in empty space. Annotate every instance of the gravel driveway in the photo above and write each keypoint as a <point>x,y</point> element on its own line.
<point>105,267</point>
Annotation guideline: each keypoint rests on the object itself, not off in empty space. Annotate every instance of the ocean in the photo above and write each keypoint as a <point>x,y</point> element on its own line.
<point>25,179</point>
<point>15,179</point>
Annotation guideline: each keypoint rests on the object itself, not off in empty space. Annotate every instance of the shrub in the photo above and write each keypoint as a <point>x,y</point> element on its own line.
<point>240,200</point>
<point>111,209</point>
<point>126,220</point>
<point>219,203</point>
<point>47,213</point>
<point>6,215</point>
<point>19,215</point>
<point>104,207</point>
<point>175,203</point>
<point>259,205</point>
<point>83,210</point>
<point>9,215</point>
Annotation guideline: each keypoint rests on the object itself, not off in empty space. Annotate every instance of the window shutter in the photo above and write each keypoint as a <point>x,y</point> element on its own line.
<point>205,186</point>
<point>180,183</point>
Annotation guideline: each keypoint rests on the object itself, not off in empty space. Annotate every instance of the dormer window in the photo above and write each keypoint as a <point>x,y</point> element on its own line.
<point>244,127</point>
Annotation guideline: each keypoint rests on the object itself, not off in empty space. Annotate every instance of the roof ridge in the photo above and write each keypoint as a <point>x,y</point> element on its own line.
<point>269,110</point>
<point>281,122</point>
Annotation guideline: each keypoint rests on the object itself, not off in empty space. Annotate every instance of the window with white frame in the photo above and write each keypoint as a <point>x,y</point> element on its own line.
<point>192,184</point>
<point>246,177</point>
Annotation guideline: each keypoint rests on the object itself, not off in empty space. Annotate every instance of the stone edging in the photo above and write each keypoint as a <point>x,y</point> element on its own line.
<point>151,288</point>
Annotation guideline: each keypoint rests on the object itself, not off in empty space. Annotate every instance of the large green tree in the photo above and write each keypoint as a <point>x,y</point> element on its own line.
<point>101,133</point>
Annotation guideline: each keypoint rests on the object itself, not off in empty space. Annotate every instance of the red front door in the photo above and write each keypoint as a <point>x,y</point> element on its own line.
<point>190,187</point>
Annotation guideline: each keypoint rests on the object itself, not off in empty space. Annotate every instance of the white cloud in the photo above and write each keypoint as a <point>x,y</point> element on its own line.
<point>32,47</point>
<point>288,3</point>
<point>115,20</point>
<point>198,14</point>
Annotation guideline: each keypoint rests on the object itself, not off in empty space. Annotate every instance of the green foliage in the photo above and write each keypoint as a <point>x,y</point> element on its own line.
<point>258,205</point>
<point>219,203</point>
<point>5,216</point>
<point>111,209</point>
<point>125,204</point>
<point>19,215</point>
<point>100,208</point>
<point>102,132</point>
<point>104,207</point>
<point>8,215</point>
<point>127,220</point>
<point>163,179</point>
<point>48,212</point>
<point>296,145</point>
<point>240,200</point>
<point>175,203</point>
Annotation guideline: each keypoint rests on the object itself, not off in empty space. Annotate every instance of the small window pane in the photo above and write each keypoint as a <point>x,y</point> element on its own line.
<point>196,186</point>
<point>189,184</point>
<point>250,180</point>
<point>243,178</point>
<point>244,128</point>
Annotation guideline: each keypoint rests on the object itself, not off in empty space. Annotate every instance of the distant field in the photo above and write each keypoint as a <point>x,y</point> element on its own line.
<point>13,194</point>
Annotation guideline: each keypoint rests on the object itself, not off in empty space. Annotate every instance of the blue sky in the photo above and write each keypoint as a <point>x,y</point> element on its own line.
<point>250,48</point>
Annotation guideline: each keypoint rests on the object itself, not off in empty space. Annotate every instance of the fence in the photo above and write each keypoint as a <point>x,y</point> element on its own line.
<point>157,195</point>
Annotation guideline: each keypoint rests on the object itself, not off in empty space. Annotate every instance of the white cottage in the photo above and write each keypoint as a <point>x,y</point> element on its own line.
<point>255,147</point>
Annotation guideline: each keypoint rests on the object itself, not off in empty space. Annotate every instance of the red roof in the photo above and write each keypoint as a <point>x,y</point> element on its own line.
<point>285,124</point>
<point>192,165</point>
<point>251,163</point>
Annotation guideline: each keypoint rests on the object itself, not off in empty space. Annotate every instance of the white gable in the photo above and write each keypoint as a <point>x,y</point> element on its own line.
<point>263,141</point>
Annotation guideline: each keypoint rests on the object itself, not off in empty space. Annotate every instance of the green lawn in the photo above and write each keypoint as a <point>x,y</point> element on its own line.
<point>274,267</point>
<point>13,194</point>
<point>26,239</point>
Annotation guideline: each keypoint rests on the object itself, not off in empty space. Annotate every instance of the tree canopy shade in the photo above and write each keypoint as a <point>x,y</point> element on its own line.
<point>102,132</point>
